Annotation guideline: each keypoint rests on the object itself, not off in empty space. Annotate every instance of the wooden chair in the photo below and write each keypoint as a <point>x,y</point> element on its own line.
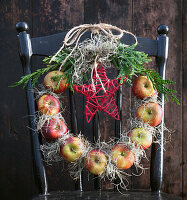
<point>48,45</point>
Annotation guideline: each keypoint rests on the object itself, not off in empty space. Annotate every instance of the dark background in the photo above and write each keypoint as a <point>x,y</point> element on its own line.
<point>52,16</point>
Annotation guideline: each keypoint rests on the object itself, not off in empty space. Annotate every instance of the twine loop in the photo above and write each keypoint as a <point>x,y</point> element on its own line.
<point>74,35</point>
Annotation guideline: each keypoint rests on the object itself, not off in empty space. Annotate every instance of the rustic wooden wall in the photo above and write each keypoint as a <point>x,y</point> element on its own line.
<point>51,16</point>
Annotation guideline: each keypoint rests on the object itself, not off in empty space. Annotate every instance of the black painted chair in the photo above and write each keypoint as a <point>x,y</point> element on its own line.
<point>48,45</point>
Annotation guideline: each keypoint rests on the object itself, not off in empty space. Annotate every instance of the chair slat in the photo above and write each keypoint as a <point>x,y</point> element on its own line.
<point>48,45</point>
<point>146,45</point>
<point>107,195</point>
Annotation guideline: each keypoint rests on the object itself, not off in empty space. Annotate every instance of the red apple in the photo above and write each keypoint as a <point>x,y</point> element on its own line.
<point>53,129</point>
<point>72,149</point>
<point>51,84</point>
<point>151,113</point>
<point>48,105</point>
<point>96,162</point>
<point>142,87</point>
<point>141,137</point>
<point>122,156</point>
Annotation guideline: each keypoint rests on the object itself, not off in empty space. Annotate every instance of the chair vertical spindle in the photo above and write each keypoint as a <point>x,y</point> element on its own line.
<point>156,173</point>
<point>96,135</point>
<point>25,55</point>
<point>78,183</point>
<point>73,112</point>
<point>118,123</point>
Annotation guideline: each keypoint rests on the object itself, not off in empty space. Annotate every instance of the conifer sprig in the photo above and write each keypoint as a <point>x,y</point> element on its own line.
<point>128,61</point>
<point>131,62</point>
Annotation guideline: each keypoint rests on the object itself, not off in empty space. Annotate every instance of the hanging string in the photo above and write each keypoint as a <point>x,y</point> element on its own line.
<point>94,68</point>
<point>74,35</point>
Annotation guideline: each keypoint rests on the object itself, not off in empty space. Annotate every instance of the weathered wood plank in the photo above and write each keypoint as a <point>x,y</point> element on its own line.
<point>147,16</point>
<point>184,101</point>
<point>51,17</point>
<point>16,165</point>
<point>117,13</point>
<point>142,181</point>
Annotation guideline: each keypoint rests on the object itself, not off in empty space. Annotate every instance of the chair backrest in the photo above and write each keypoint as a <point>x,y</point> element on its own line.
<point>48,45</point>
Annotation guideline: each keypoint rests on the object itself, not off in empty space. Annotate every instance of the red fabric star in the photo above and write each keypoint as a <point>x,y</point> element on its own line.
<point>98,99</point>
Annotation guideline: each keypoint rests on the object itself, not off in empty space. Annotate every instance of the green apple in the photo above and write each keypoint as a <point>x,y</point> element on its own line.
<point>141,137</point>
<point>72,149</point>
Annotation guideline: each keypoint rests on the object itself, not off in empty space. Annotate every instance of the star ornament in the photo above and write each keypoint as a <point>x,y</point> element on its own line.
<point>100,94</point>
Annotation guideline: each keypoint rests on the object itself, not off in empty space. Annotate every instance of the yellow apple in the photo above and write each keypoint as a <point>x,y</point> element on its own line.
<point>72,149</point>
<point>96,162</point>
<point>141,137</point>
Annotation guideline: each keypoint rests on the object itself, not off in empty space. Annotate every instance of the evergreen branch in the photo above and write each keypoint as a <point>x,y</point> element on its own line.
<point>129,63</point>
<point>132,63</point>
<point>33,77</point>
<point>39,72</point>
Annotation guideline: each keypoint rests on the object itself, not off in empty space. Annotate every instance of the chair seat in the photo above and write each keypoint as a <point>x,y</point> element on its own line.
<point>106,195</point>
